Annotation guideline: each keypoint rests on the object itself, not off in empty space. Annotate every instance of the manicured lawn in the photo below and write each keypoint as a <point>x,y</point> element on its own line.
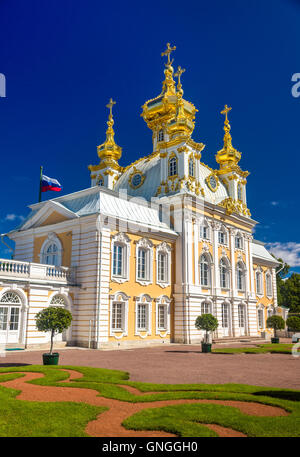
<point>279,348</point>
<point>26,418</point>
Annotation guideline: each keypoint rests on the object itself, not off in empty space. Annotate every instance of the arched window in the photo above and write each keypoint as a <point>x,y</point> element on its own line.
<point>51,251</point>
<point>240,276</point>
<point>173,166</point>
<point>224,274</point>
<point>191,167</point>
<point>205,307</point>
<point>51,254</point>
<point>260,317</point>
<point>269,284</point>
<point>100,182</point>
<point>10,307</point>
<point>58,300</point>
<point>258,281</point>
<point>160,136</point>
<point>204,269</point>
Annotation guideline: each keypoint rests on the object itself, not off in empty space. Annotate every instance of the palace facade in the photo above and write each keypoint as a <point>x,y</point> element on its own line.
<point>147,248</point>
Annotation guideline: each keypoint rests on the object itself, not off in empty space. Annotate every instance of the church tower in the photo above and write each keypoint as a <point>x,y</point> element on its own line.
<point>108,171</point>
<point>230,173</point>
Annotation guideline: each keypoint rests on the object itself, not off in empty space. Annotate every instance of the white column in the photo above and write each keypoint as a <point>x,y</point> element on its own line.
<point>247,283</point>
<point>232,260</point>
<point>251,272</point>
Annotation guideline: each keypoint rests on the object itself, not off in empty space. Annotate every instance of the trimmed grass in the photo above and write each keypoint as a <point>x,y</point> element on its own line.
<point>279,348</point>
<point>23,418</point>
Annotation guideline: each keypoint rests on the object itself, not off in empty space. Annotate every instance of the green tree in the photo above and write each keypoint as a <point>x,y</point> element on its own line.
<point>53,319</point>
<point>206,322</point>
<point>291,293</point>
<point>275,322</point>
<point>293,322</point>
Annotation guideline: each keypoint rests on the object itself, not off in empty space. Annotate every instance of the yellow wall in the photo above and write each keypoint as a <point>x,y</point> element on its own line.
<point>54,218</point>
<point>66,241</point>
<point>133,289</point>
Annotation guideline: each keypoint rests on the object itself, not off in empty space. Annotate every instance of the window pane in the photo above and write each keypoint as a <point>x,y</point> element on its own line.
<point>224,315</point>
<point>162,316</point>
<point>3,318</point>
<point>162,267</point>
<point>117,321</point>
<point>118,260</point>
<point>141,264</point>
<point>14,319</point>
<point>142,317</point>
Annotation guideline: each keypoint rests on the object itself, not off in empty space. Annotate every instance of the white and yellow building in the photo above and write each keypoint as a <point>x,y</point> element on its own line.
<point>147,248</point>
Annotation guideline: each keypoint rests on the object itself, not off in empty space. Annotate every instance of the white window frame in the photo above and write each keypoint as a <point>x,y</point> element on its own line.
<point>51,239</point>
<point>122,298</point>
<point>269,291</point>
<point>172,168</point>
<point>204,225</point>
<point>146,245</point>
<point>243,269</point>
<point>261,310</point>
<point>206,307</point>
<point>121,239</point>
<point>225,236</point>
<point>209,269</point>
<point>259,290</point>
<point>162,301</point>
<point>145,300</point>
<point>164,249</point>
<point>238,236</point>
<point>227,265</point>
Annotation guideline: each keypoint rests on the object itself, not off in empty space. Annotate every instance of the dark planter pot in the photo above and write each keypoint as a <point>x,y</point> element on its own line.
<point>275,340</point>
<point>50,359</point>
<point>206,347</point>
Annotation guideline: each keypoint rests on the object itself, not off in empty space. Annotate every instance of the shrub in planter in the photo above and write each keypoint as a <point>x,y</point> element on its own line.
<point>209,323</point>
<point>54,319</point>
<point>293,323</point>
<point>277,323</point>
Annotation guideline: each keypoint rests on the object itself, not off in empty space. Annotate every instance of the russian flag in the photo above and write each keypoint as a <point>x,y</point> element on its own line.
<point>50,184</point>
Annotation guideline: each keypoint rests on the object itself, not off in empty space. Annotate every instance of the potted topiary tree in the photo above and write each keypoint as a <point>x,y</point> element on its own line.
<point>54,319</point>
<point>293,323</point>
<point>277,323</point>
<point>209,323</point>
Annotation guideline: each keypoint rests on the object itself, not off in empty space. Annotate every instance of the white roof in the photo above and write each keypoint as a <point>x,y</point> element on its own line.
<point>260,252</point>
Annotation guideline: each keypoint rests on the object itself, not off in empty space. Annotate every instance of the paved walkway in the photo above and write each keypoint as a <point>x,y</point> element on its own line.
<point>179,364</point>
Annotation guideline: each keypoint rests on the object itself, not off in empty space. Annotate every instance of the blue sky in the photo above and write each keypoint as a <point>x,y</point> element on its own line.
<point>63,60</point>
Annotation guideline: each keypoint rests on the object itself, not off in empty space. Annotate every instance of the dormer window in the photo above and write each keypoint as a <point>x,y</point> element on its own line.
<point>173,166</point>
<point>161,135</point>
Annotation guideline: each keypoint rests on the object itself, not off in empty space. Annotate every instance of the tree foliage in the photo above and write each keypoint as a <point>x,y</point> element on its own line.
<point>288,288</point>
<point>293,323</point>
<point>207,322</point>
<point>275,322</point>
<point>54,319</point>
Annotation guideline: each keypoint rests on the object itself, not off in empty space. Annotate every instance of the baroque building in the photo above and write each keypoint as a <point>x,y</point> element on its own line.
<point>148,247</point>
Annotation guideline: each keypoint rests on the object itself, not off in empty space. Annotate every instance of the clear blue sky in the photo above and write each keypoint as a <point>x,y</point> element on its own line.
<point>64,59</point>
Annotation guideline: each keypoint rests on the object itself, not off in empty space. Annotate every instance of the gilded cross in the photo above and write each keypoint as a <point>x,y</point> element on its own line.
<point>167,53</point>
<point>226,111</point>
<point>179,73</point>
<point>110,105</point>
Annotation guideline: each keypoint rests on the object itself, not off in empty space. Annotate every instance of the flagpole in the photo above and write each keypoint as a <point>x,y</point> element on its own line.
<point>41,177</point>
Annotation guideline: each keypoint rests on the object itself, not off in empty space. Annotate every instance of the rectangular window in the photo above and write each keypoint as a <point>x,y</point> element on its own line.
<point>260,318</point>
<point>142,316</point>
<point>162,317</point>
<point>204,232</point>
<point>162,267</point>
<point>258,283</point>
<point>222,238</point>
<point>117,316</point>
<point>118,253</point>
<point>241,316</point>
<point>141,264</point>
<point>269,285</point>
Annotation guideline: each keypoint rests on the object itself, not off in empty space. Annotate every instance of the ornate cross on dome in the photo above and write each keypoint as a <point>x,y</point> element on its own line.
<point>179,73</point>
<point>167,53</point>
<point>110,105</point>
<point>226,111</point>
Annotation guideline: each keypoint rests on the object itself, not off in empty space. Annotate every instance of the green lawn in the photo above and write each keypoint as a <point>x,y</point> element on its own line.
<point>279,348</point>
<point>24,418</point>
